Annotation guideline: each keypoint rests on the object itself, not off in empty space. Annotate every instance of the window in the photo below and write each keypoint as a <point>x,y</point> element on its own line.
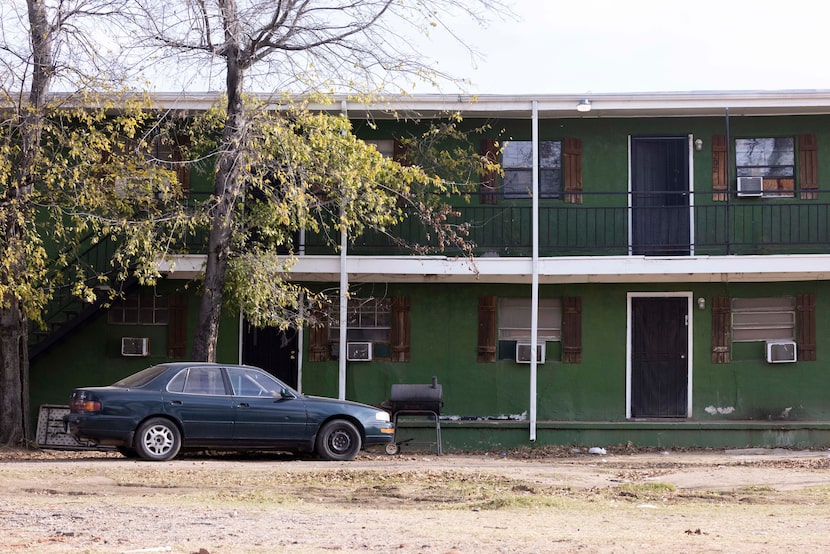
<point>368,320</point>
<point>249,382</point>
<point>385,146</point>
<point>762,319</point>
<point>773,159</point>
<point>517,164</point>
<point>198,380</point>
<point>144,308</point>
<point>514,319</point>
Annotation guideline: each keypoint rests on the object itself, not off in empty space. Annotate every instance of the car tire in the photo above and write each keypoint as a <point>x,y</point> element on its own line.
<point>338,440</point>
<point>158,440</point>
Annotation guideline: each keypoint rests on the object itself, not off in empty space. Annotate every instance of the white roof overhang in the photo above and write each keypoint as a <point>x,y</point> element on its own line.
<point>614,105</point>
<point>605,269</point>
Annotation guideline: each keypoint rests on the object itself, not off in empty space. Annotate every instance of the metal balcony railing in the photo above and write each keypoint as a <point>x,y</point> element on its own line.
<point>615,224</point>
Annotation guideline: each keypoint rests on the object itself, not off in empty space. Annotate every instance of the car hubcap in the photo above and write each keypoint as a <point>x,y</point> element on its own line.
<point>340,441</point>
<point>158,440</point>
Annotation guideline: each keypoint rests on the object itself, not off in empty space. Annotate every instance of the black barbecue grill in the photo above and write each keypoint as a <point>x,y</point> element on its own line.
<point>415,400</point>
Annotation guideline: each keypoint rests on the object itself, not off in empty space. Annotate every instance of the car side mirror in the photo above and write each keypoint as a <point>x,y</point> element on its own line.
<point>285,394</point>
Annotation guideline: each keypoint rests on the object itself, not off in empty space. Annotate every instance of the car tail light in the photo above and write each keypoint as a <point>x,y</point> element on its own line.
<point>83,404</point>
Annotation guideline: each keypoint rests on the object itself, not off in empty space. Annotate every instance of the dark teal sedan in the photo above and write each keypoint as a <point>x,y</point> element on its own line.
<point>159,411</point>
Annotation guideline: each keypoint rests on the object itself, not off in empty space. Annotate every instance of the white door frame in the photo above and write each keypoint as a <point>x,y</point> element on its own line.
<point>688,295</point>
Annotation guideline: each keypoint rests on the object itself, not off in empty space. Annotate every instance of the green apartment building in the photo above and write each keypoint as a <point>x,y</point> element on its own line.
<point>671,251</point>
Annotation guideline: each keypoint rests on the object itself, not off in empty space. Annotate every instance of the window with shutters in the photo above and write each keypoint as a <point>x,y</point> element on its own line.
<point>762,319</point>
<point>773,159</point>
<point>367,320</point>
<point>504,322</point>
<point>786,164</point>
<point>517,164</point>
<point>746,320</point>
<point>382,321</point>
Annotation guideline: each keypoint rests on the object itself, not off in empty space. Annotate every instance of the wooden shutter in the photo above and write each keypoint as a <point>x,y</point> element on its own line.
<point>721,326</point>
<point>808,166</point>
<point>720,173</point>
<point>489,185</point>
<point>487,329</point>
<point>319,349</point>
<point>573,170</point>
<point>177,325</point>
<point>572,329</point>
<point>182,169</point>
<point>400,329</point>
<point>806,327</point>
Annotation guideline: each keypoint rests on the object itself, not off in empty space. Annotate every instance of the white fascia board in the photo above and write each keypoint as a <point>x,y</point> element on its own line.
<point>638,104</point>
<point>605,269</point>
<point>186,266</point>
<point>612,269</point>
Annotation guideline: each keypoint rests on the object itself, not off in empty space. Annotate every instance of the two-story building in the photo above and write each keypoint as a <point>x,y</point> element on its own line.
<point>667,255</point>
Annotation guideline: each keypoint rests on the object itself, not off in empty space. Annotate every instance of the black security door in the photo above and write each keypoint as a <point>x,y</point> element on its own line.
<point>659,357</point>
<point>660,196</point>
<point>273,350</point>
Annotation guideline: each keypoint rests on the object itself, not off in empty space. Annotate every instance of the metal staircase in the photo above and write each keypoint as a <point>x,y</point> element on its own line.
<point>65,312</point>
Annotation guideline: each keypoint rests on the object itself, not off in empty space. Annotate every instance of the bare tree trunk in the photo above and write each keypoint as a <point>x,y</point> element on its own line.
<point>14,389</point>
<point>14,358</point>
<point>228,190</point>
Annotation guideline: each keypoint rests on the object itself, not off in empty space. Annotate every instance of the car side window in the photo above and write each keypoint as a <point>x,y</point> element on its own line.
<point>204,380</point>
<point>176,384</point>
<point>249,382</point>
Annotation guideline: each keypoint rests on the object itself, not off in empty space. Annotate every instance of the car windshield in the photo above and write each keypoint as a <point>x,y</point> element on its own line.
<point>141,378</point>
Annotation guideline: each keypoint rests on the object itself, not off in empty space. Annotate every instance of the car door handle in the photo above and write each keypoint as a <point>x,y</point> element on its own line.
<point>243,405</point>
<point>176,402</point>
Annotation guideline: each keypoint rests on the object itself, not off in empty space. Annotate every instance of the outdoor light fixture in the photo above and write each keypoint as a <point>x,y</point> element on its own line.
<point>584,105</point>
<point>698,144</point>
<point>701,303</point>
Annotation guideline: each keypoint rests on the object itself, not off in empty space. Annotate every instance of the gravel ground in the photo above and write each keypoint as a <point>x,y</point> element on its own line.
<point>523,501</point>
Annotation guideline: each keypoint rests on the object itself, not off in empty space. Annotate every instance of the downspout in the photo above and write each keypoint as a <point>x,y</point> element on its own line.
<point>534,283</point>
<point>344,294</point>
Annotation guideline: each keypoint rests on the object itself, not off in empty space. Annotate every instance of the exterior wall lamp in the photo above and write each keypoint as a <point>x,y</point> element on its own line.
<point>701,303</point>
<point>698,144</point>
<point>583,105</point>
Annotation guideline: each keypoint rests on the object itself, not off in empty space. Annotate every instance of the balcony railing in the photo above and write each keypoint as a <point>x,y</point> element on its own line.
<point>606,224</point>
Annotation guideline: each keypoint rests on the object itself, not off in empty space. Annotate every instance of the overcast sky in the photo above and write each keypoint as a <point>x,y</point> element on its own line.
<point>563,46</point>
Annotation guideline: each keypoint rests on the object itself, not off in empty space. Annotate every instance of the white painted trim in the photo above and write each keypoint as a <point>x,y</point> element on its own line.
<point>624,104</point>
<point>689,345</point>
<point>691,194</point>
<point>552,270</point>
<point>534,277</point>
<point>630,202</point>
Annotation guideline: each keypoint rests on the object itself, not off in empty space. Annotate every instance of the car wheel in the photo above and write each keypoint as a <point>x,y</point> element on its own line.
<point>158,439</point>
<point>338,440</point>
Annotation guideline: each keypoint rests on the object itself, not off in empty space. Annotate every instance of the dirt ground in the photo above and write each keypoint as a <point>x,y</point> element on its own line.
<point>523,501</point>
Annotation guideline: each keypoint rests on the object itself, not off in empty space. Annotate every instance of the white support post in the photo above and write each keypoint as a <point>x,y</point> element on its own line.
<point>534,285</point>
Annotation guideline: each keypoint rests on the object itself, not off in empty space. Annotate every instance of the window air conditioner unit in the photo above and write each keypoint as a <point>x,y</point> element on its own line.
<point>523,352</point>
<point>359,351</point>
<point>750,186</point>
<point>781,351</point>
<point>135,346</point>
